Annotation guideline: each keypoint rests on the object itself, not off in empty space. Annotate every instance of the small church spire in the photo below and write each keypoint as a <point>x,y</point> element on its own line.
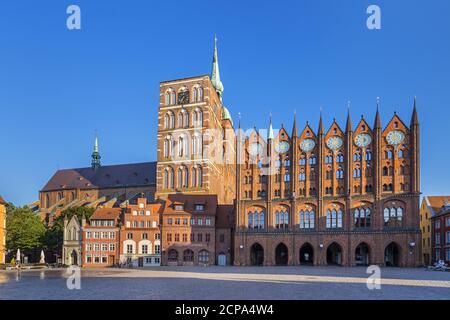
<point>294,126</point>
<point>377,116</point>
<point>414,117</point>
<point>348,127</point>
<point>320,122</point>
<point>270,133</point>
<point>215,74</point>
<point>96,154</point>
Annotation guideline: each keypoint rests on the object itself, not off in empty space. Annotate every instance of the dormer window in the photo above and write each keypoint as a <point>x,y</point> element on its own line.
<point>199,207</point>
<point>179,207</point>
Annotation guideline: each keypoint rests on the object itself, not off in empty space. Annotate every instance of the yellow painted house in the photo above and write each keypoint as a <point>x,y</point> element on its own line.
<point>2,230</point>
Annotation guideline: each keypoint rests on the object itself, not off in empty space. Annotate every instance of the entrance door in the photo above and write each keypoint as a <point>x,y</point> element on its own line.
<point>334,254</point>
<point>257,255</point>
<point>391,255</point>
<point>281,255</point>
<point>140,262</point>
<point>306,254</point>
<point>222,260</point>
<point>74,258</point>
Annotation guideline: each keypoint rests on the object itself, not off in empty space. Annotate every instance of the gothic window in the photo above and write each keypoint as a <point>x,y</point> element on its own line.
<point>168,178</point>
<point>168,147</point>
<point>385,171</point>
<point>188,255</point>
<point>329,159</point>
<point>393,216</point>
<point>197,144</point>
<point>357,157</point>
<point>287,177</point>
<point>302,176</point>
<point>368,155</point>
<point>198,93</point>
<point>278,163</point>
<point>197,176</point>
<point>167,98</point>
<point>312,191</point>
<point>281,219</point>
<point>302,161</point>
<point>312,160</point>
<point>334,218</point>
<point>369,188</point>
<point>306,219</point>
<point>328,175</point>
<point>255,220</point>
<point>197,116</point>
<point>340,174</point>
<point>287,162</point>
<point>388,154</point>
<point>362,217</point>
<point>357,172</point>
<point>340,158</point>
<point>173,255</point>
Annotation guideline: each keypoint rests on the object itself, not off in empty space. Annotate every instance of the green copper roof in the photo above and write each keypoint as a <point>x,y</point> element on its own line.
<point>226,114</point>
<point>215,74</point>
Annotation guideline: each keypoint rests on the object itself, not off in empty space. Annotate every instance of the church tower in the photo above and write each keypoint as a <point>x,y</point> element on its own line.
<point>95,163</point>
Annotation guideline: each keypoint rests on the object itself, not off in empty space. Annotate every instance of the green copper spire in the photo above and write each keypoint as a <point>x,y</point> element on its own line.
<point>215,74</point>
<point>95,155</point>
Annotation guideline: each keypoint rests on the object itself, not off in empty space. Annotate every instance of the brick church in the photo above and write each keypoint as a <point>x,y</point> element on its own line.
<point>337,196</point>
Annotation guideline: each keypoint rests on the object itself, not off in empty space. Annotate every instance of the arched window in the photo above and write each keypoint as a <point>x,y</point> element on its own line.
<point>281,219</point>
<point>197,116</point>
<point>388,154</point>
<point>287,177</point>
<point>197,144</point>
<point>329,159</point>
<point>203,256</point>
<point>255,220</point>
<point>334,218</point>
<point>302,176</point>
<point>340,158</point>
<point>287,162</point>
<point>168,147</point>
<point>167,121</point>
<point>393,216</point>
<point>357,157</point>
<point>173,255</point>
<point>340,174</point>
<point>302,161</point>
<point>362,217</point>
<point>307,219</point>
<point>312,160</point>
<point>188,255</point>
<point>357,172</point>
<point>168,178</point>
<point>368,155</point>
<point>385,171</point>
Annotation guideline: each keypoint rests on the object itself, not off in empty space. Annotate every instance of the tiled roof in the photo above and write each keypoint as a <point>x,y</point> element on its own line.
<point>134,174</point>
<point>106,214</point>
<point>436,202</point>
<point>189,202</point>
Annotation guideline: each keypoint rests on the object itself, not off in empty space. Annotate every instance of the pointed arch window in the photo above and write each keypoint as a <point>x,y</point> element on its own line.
<point>197,116</point>
<point>307,218</point>
<point>393,216</point>
<point>368,155</point>
<point>281,219</point>
<point>340,158</point>
<point>334,219</point>
<point>340,174</point>
<point>312,160</point>
<point>255,220</point>
<point>362,217</point>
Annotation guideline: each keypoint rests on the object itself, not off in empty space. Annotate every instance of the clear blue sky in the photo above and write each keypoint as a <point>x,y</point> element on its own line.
<point>58,86</point>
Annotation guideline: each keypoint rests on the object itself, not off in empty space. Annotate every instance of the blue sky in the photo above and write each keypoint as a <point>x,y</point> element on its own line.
<point>58,86</point>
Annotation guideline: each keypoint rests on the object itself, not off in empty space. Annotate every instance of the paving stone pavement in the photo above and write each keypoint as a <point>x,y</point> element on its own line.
<point>228,283</point>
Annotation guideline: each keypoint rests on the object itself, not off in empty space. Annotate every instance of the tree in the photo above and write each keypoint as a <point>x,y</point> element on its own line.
<point>54,235</point>
<point>25,229</point>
